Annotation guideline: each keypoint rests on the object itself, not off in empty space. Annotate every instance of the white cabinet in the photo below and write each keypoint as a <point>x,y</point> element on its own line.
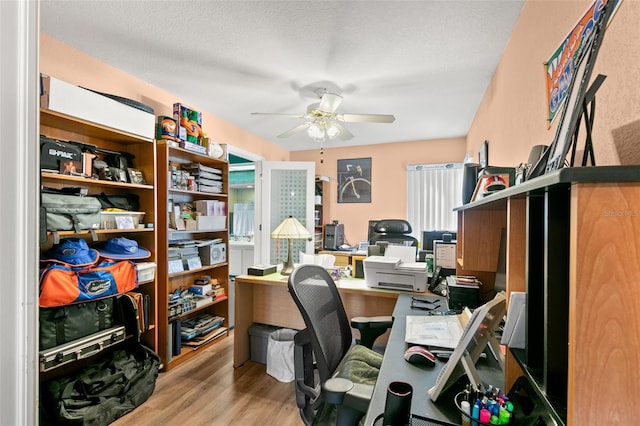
<point>240,257</point>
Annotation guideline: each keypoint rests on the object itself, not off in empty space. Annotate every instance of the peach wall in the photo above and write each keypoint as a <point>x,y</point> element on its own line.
<point>73,66</point>
<point>512,115</point>
<point>388,178</point>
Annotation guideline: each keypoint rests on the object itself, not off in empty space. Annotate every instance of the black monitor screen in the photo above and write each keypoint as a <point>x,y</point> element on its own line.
<point>428,237</point>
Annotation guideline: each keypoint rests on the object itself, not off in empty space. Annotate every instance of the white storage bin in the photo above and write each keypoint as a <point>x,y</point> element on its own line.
<point>110,220</point>
<point>146,271</point>
<point>211,222</point>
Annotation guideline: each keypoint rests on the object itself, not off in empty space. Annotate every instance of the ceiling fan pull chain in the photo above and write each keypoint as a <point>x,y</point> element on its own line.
<point>321,153</point>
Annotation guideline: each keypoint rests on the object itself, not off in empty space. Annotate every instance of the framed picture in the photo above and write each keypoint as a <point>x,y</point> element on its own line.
<point>483,155</point>
<point>70,167</point>
<point>354,180</point>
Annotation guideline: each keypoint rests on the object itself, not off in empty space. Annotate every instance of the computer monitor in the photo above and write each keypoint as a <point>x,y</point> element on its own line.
<point>428,237</point>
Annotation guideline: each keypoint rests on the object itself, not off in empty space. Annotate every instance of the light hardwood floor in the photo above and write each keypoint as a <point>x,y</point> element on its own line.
<point>207,390</point>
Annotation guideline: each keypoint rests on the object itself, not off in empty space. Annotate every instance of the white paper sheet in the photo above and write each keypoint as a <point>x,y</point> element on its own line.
<point>433,330</point>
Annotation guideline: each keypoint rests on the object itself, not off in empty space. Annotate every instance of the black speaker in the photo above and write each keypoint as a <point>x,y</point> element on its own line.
<point>469,181</point>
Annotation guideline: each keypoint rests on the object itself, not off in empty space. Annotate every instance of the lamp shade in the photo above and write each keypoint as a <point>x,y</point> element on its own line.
<point>290,228</point>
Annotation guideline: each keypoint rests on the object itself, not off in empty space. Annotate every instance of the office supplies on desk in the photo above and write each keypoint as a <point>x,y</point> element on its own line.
<point>477,334</point>
<point>391,272</point>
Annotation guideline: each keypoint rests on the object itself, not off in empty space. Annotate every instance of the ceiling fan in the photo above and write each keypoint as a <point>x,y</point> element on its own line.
<point>324,120</point>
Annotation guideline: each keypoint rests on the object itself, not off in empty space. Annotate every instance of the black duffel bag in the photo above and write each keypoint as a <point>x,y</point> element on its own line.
<point>63,324</point>
<point>122,201</point>
<point>106,390</point>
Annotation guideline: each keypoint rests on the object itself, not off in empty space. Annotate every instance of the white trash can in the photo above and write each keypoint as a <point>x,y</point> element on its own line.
<point>280,354</point>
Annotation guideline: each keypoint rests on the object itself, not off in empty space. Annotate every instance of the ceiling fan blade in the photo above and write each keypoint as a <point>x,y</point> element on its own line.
<point>280,114</point>
<point>366,118</point>
<point>329,102</point>
<point>295,130</point>
<point>344,133</point>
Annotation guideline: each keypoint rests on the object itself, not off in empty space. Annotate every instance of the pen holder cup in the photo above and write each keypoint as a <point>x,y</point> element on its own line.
<point>468,420</point>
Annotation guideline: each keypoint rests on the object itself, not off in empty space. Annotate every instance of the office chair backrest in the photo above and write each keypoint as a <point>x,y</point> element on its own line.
<point>393,231</point>
<point>320,305</point>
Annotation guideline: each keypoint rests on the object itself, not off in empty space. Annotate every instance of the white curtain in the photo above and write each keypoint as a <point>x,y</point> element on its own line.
<point>433,191</point>
<point>243,219</point>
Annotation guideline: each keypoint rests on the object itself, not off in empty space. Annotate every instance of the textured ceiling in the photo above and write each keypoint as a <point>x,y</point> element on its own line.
<point>426,62</point>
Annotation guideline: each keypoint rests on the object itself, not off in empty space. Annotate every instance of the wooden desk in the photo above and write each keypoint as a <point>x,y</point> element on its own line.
<point>266,300</point>
<point>421,378</point>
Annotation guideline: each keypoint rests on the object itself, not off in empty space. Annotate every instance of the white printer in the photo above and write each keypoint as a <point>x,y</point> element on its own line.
<point>392,273</point>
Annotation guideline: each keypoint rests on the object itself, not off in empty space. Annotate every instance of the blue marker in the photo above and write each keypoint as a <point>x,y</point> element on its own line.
<point>475,413</point>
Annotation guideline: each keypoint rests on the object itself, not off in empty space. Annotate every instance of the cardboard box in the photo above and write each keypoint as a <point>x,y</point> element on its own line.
<point>75,101</point>
<point>211,208</point>
<point>200,289</point>
<point>183,115</point>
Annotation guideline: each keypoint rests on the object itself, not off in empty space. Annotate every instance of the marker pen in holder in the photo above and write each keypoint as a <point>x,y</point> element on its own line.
<point>466,409</point>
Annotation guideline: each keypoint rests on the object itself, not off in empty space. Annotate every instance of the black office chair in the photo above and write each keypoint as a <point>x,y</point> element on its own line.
<point>393,231</point>
<point>333,377</point>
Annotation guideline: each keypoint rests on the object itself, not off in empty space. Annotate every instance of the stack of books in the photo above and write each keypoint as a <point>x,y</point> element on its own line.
<point>463,281</point>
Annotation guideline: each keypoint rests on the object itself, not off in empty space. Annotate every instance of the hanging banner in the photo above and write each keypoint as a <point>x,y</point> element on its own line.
<point>559,69</point>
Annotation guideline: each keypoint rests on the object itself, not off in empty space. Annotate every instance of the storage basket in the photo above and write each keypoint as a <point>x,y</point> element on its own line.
<point>467,419</point>
<point>415,420</point>
<point>109,220</point>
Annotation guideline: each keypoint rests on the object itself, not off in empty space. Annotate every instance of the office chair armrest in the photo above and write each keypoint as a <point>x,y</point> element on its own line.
<point>371,328</point>
<point>339,391</point>
<point>306,388</point>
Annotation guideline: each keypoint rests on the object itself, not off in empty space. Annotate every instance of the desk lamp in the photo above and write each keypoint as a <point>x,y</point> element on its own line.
<point>291,229</point>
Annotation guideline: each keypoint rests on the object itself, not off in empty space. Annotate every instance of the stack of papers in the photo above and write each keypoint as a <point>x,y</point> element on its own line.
<point>443,331</point>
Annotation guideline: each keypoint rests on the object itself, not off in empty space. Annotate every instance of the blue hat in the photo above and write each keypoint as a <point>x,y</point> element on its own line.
<point>73,251</point>
<point>122,248</point>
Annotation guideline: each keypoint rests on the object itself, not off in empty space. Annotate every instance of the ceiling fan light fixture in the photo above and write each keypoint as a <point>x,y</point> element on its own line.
<point>316,131</point>
<point>332,131</point>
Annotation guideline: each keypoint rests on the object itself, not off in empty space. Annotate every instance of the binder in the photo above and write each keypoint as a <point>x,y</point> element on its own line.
<point>177,339</point>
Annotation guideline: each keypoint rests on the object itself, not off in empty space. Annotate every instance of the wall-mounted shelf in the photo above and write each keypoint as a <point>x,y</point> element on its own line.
<point>572,242</point>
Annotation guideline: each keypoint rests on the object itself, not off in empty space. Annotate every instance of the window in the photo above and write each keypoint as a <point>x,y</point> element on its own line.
<point>433,191</point>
